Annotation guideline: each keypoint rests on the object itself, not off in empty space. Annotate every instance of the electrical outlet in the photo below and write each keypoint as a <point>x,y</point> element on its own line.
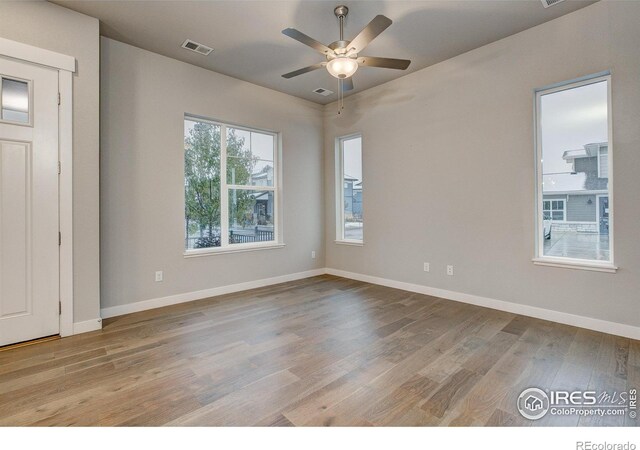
<point>159,275</point>
<point>313,254</point>
<point>426,267</point>
<point>450,270</point>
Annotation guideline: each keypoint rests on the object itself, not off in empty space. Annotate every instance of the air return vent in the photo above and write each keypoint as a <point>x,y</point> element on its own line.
<point>199,48</point>
<point>547,3</point>
<point>323,92</point>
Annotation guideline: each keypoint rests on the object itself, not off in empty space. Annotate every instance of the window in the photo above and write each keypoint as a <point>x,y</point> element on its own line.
<point>14,100</point>
<point>349,192</point>
<point>603,162</point>
<point>237,210</point>
<point>553,209</point>
<point>574,174</point>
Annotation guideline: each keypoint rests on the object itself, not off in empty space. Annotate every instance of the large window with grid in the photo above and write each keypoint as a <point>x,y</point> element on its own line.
<point>231,186</point>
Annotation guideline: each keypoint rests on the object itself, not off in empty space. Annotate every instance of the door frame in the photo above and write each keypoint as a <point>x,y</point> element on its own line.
<point>66,67</point>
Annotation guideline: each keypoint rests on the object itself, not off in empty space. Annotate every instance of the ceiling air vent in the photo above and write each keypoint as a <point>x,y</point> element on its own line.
<point>199,48</point>
<point>323,92</point>
<point>547,3</point>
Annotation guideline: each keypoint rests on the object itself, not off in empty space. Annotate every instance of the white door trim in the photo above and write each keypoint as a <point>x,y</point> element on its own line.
<point>37,55</point>
<point>66,66</point>
<point>65,155</point>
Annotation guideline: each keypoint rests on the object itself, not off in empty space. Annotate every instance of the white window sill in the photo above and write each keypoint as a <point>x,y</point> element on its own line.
<point>235,248</point>
<point>349,242</point>
<point>568,263</point>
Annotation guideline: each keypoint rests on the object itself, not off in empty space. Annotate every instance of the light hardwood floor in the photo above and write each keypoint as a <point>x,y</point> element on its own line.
<point>319,351</point>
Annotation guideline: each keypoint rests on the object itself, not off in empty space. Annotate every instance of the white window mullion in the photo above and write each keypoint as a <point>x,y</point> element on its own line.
<point>224,192</point>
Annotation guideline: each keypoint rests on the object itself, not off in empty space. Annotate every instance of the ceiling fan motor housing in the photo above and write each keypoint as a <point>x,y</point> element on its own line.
<point>339,47</point>
<point>341,11</point>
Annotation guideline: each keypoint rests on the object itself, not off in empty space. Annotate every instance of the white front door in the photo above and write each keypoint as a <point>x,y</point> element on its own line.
<point>29,246</point>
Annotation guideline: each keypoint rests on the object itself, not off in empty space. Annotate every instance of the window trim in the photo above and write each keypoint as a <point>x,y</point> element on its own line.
<point>225,187</point>
<point>566,262</point>
<point>339,159</point>
<point>236,248</point>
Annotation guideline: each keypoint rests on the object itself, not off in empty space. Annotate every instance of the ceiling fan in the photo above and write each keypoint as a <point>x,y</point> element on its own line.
<point>342,58</point>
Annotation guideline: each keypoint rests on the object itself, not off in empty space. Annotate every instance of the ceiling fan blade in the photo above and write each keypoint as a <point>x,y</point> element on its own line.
<point>368,34</point>
<point>387,63</point>
<point>347,84</point>
<point>306,40</point>
<point>295,73</point>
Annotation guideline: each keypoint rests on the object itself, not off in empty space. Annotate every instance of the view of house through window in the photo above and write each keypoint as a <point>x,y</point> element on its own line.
<point>239,208</point>
<point>574,157</point>
<point>351,223</point>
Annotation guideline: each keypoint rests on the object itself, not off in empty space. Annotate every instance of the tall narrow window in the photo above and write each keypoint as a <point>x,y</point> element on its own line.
<point>574,172</point>
<point>237,210</point>
<point>349,190</point>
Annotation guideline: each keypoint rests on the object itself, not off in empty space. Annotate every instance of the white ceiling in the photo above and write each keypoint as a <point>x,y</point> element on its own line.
<point>248,43</point>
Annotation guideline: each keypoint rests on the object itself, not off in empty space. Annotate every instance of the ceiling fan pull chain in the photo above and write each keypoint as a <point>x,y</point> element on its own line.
<point>340,96</point>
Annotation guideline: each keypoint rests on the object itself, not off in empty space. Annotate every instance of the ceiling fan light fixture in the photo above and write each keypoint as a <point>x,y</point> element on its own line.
<point>342,67</point>
<point>341,56</point>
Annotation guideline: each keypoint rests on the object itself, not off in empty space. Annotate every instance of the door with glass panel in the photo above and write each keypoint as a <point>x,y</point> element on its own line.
<point>29,232</point>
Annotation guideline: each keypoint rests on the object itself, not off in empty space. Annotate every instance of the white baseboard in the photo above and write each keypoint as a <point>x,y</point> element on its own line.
<point>87,325</point>
<point>144,305</point>
<point>603,326</point>
<point>515,308</point>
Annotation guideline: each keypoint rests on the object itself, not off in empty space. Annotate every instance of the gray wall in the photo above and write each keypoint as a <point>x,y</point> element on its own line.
<point>579,209</point>
<point>64,31</point>
<point>144,97</point>
<point>458,136</point>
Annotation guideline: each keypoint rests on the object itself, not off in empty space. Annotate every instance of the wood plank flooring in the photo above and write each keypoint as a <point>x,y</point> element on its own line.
<point>317,352</point>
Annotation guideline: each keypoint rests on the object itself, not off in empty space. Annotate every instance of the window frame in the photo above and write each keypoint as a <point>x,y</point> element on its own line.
<point>340,182</point>
<point>225,187</point>
<point>567,262</point>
